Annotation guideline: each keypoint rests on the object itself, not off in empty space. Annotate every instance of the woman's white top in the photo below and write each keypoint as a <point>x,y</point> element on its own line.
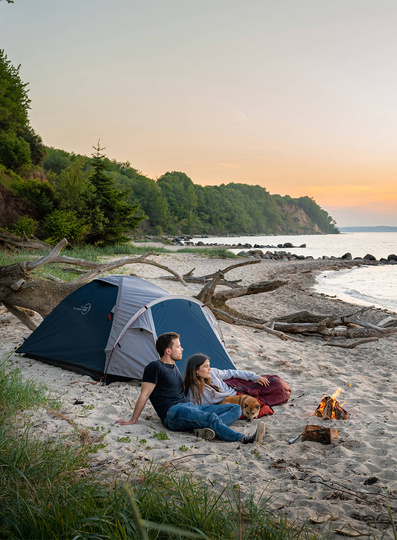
<point>218,376</point>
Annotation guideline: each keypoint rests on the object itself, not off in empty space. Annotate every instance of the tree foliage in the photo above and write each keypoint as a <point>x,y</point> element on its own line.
<point>175,205</point>
<point>20,146</point>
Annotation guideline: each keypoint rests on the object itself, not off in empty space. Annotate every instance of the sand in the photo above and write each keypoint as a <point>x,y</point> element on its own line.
<point>344,488</point>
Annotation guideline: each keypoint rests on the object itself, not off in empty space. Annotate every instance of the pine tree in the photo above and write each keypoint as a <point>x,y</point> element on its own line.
<point>111,216</point>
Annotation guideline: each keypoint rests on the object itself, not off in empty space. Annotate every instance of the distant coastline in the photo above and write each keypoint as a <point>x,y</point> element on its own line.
<point>379,228</point>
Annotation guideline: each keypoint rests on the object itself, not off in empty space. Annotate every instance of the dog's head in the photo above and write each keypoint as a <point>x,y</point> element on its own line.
<point>251,408</point>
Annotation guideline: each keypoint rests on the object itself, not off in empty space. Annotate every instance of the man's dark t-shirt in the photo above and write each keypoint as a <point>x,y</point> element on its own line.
<point>169,386</point>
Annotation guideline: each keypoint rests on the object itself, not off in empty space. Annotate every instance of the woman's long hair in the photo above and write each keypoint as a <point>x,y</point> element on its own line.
<point>194,383</point>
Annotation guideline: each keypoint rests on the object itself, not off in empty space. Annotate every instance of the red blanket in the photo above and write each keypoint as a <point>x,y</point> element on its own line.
<point>276,393</point>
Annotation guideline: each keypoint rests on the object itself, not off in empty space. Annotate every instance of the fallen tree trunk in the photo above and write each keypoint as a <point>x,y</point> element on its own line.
<point>12,241</point>
<point>19,290</point>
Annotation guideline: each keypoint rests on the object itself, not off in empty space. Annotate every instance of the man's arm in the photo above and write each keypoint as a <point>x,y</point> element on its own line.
<point>146,390</point>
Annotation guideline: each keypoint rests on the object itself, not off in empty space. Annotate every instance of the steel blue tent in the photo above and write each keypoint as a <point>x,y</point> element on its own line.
<point>108,329</point>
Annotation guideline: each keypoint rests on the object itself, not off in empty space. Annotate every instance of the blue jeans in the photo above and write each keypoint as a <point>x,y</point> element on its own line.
<point>187,416</point>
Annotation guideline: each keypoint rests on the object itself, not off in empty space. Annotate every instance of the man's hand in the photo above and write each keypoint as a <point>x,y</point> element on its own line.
<point>146,390</point>
<point>263,381</point>
<point>125,422</point>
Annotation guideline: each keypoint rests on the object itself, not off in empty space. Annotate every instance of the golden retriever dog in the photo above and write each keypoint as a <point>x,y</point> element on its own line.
<point>250,406</point>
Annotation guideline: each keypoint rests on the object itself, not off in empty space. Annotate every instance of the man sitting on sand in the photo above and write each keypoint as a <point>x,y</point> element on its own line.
<point>162,384</point>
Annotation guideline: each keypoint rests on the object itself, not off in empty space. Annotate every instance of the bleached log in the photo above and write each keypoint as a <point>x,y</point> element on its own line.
<point>302,317</point>
<point>253,288</point>
<point>270,330</point>
<point>302,328</point>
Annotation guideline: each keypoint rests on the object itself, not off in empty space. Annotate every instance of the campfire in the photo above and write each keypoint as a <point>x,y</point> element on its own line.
<point>329,408</point>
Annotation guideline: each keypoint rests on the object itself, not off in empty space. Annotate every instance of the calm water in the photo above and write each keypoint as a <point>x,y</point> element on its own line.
<point>364,285</point>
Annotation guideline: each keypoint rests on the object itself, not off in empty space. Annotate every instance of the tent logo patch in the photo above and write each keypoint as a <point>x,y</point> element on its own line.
<point>84,309</point>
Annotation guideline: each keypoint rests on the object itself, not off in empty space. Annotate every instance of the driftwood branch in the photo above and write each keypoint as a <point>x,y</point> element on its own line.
<point>189,278</point>
<point>238,265</point>
<point>351,345</point>
<point>47,258</point>
<point>21,315</point>
<point>98,268</point>
<point>348,326</point>
<point>103,268</point>
<point>207,293</point>
<point>229,318</point>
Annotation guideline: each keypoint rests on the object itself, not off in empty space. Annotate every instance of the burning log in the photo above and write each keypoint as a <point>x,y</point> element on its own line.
<point>329,408</point>
<point>319,434</point>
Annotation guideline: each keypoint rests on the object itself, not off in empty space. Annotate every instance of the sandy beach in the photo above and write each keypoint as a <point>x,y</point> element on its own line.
<point>344,488</point>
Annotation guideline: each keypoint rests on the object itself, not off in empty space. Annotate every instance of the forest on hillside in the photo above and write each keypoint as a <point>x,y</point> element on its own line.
<point>97,200</point>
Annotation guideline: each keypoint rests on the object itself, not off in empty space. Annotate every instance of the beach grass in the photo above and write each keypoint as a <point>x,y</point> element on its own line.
<point>49,490</point>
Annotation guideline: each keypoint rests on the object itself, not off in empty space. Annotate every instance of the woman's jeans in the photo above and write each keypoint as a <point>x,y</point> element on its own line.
<point>187,416</point>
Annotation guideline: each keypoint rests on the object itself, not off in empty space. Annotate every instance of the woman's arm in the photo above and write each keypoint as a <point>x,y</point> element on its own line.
<point>225,374</point>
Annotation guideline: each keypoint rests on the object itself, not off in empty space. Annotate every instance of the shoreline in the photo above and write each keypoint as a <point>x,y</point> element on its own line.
<point>339,486</point>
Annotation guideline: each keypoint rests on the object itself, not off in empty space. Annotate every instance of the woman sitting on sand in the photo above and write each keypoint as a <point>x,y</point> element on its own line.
<point>206,386</point>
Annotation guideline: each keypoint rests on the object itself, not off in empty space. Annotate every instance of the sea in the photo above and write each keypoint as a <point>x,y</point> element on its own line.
<point>365,285</point>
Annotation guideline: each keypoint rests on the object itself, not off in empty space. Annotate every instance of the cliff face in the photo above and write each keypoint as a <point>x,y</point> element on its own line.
<point>296,221</point>
<point>11,208</point>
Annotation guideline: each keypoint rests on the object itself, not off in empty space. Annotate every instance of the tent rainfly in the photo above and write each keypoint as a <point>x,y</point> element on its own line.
<point>108,329</point>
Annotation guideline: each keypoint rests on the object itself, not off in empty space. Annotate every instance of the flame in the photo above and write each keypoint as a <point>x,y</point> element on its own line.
<point>337,412</point>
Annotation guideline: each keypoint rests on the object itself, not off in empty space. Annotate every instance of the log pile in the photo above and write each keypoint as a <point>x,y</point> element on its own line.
<point>329,409</point>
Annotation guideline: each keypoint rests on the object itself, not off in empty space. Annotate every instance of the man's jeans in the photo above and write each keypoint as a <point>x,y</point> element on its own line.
<point>187,416</point>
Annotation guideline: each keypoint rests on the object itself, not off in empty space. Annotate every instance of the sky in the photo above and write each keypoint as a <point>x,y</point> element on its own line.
<point>298,96</point>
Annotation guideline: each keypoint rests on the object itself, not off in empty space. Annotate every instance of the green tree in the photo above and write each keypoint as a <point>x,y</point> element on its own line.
<point>112,216</point>
<point>20,145</point>
<point>180,193</point>
<point>75,195</point>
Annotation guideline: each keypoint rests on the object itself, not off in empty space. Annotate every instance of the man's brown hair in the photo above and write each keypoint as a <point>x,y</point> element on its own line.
<point>165,341</point>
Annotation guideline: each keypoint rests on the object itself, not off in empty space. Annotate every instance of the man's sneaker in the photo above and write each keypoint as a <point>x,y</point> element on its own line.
<point>257,436</point>
<point>205,433</point>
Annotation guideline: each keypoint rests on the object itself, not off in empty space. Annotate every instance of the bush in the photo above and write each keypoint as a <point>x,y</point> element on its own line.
<point>14,151</point>
<point>24,226</point>
<point>40,194</point>
<point>65,224</point>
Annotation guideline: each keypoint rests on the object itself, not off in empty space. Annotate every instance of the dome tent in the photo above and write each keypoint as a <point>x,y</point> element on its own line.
<point>110,325</point>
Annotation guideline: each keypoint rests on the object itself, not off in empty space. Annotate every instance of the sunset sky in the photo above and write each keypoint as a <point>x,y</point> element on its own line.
<point>297,96</point>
